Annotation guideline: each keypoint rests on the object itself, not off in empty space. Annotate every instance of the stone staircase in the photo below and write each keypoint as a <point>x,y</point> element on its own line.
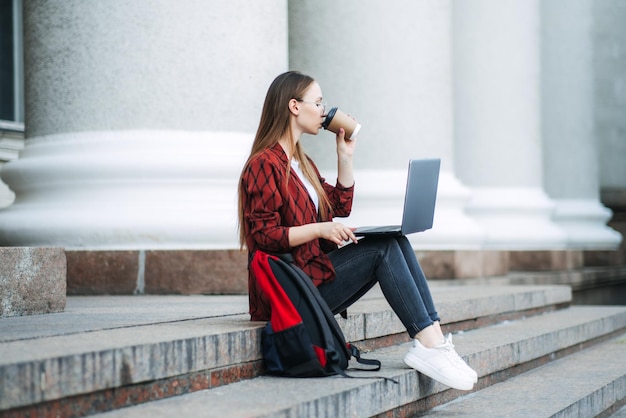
<point>536,356</point>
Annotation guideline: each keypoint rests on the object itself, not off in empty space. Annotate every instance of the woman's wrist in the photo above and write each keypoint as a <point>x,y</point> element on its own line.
<point>343,157</point>
<point>318,230</point>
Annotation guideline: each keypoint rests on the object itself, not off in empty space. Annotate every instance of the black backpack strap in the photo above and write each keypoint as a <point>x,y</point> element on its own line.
<point>330,327</point>
<point>344,374</point>
<point>356,353</point>
<point>324,310</point>
<point>286,257</point>
<point>320,322</point>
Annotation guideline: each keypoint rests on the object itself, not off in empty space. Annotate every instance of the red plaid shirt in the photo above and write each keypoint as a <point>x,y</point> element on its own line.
<point>271,207</point>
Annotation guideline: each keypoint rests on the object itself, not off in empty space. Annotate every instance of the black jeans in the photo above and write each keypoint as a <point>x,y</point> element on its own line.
<point>391,262</point>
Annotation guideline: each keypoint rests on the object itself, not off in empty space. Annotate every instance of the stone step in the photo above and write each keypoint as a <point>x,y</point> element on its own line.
<point>105,352</point>
<point>621,413</point>
<point>460,307</point>
<point>497,352</point>
<point>585,384</point>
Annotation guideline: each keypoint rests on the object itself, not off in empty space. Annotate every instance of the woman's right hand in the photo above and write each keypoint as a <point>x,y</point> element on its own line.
<point>336,232</point>
<point>331,231</point>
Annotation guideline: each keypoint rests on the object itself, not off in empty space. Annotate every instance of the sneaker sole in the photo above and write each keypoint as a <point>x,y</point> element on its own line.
<point>425,368</point>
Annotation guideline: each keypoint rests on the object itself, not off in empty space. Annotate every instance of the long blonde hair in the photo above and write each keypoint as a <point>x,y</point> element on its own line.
<point>274,125</point>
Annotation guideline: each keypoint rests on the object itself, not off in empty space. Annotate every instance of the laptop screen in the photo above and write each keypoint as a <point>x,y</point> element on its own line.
<point>421,195</point>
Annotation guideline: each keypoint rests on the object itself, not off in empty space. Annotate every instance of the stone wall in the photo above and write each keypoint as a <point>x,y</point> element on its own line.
<point>32,280</point>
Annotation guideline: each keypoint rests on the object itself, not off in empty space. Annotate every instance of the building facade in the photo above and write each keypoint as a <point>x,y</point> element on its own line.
<point>138,115</point>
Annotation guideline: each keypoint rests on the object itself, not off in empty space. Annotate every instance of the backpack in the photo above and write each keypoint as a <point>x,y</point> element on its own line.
<point>302,338</point>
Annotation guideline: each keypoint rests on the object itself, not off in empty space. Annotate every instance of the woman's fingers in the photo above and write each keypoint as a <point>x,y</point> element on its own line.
<point>339,233</point>
<point>341,135</point>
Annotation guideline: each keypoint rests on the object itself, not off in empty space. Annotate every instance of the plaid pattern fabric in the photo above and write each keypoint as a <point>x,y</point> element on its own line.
<point>271,206</point>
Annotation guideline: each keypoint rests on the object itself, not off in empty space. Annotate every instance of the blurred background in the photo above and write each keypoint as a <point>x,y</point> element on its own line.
<point>124,124</point>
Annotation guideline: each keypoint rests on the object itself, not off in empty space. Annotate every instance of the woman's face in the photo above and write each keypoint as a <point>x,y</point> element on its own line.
<point>312,110</point>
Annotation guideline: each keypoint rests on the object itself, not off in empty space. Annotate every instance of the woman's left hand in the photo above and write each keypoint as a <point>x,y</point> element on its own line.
<point>345,151</point>
<point>345,147</point>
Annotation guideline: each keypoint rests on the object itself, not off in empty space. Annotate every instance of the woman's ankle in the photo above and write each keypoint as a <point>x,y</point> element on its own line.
<point>429,337</point>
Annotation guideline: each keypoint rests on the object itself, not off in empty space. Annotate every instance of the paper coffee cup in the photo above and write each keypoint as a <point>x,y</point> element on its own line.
<point>336,119</point>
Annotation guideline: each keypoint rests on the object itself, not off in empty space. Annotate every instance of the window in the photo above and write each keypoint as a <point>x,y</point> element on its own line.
<point>11,66</point>
<point>11,89</point>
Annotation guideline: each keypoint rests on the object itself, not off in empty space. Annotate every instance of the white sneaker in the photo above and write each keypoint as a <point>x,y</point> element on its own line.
<point>458,361</point>
<point>439,364</point>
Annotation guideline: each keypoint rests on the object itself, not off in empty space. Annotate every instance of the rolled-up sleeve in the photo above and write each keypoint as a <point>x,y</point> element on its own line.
<point>340,198</point>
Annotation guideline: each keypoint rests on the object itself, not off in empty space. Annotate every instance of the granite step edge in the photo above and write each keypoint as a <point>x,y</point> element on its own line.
<point>592,388</point>
<point>269,396</point>
<point>121,357</point>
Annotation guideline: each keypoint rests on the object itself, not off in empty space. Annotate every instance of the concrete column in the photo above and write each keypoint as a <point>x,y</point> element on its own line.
<point>138,118</point>
<point>498,122</point>
<point>571,164</point>
<point>609,37</point>
<point>388,65</point>
<point>609,41</point>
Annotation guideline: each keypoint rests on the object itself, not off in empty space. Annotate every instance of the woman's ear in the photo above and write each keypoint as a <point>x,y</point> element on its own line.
<point>294,107</point>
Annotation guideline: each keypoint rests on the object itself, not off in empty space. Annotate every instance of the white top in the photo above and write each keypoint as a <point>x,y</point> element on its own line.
<point>295,166</point>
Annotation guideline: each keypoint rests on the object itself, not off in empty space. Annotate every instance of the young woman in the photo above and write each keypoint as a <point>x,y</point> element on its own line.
<point>285,206</point>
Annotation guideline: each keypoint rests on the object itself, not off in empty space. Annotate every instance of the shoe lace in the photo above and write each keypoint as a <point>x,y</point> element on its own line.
<point>448,350</point>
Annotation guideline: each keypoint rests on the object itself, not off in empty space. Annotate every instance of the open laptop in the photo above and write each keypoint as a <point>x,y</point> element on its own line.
<point>419,201</point>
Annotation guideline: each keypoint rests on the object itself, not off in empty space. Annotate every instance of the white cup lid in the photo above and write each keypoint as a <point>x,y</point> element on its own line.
<point>355,132</point>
